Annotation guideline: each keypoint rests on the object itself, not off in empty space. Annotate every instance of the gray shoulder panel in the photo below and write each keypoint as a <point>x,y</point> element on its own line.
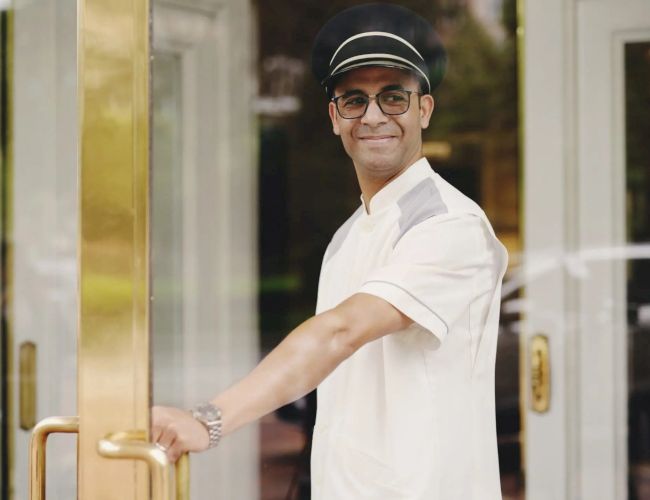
<point>419,204</point>
<point>342,233</point>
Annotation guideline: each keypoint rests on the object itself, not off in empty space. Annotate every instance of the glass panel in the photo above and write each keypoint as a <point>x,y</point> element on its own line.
<point>201,318</point>
<point>472,142</point>
<point>167,227</point>
<point>40,231</point>
<point>204,325</point>
<point>637,124</point>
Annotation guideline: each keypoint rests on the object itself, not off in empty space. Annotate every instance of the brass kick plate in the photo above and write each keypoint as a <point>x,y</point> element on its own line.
<point>540,374</point>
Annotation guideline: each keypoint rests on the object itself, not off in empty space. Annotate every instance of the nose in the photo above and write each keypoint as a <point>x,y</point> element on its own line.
<point>374,115</point>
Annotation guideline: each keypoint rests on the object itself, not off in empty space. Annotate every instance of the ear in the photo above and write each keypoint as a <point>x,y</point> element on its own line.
<point>426,108</point>
<point>334,117</point>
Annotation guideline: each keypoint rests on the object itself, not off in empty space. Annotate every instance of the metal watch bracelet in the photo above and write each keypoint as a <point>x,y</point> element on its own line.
<point>210,416</point>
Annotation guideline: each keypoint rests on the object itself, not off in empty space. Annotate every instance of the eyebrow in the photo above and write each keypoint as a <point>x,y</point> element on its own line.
<point>394,86</point>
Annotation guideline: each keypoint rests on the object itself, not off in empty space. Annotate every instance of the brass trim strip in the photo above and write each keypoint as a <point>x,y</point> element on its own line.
<point>114,263</point>
<point>37,450</point>
<point>6,264</point>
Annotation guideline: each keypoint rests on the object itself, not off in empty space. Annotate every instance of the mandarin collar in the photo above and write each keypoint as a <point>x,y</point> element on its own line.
<point>400,185</point>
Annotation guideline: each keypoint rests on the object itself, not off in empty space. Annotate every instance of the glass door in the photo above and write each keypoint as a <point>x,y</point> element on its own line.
<point>613,238</point>
<point>76,251</point>
<point>203,223</point>
<point>636,71</point>
<point>586,237</point>
<point>157,221</point>
<point>129,256</point>
<point>40,235</point>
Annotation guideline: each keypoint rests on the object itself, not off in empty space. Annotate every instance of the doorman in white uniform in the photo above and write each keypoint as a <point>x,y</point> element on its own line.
<point>403,344</point>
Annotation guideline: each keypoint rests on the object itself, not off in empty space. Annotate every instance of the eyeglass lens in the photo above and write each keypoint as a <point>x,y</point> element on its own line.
<point>391,102</point>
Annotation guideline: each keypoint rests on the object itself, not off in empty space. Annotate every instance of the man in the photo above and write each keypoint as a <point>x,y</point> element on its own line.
<point>403,344</point>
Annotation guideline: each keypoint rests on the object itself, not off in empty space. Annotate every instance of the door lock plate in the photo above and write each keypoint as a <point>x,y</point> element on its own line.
<point>540,374</point>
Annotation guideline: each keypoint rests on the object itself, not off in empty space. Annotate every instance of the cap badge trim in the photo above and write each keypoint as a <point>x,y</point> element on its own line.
<point>385,56</point>
<point>376,33</point>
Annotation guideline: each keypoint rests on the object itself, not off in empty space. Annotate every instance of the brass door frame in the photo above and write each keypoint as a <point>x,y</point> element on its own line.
<point>113,344</point>
<point>6,266</point>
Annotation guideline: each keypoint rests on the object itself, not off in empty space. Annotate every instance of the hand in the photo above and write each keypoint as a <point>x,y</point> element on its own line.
<point>177,431</point>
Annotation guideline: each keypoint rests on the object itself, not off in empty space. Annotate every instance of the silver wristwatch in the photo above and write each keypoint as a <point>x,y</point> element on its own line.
<point>210,416</point>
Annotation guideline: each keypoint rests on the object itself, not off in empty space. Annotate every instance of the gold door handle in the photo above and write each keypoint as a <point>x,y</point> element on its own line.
<point>37,448</point>
<point>183,477</point>
<point>133,445</point>
<point>27,385</point>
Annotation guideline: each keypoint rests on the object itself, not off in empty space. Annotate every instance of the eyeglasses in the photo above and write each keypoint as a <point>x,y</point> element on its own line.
<point>391,102</point>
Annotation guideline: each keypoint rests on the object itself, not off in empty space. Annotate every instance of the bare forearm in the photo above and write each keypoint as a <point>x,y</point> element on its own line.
<point>302,360</point>
<point>294,368</point>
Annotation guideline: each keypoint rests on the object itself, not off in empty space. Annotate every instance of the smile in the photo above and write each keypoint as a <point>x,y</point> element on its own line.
<point>378,139</point>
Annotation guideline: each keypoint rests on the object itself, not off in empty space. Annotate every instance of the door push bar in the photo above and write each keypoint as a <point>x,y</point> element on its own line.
<point>121,445</point>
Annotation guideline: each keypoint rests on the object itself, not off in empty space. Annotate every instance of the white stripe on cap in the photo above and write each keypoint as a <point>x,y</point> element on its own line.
<point>376,59</point>
<point>376,33</point>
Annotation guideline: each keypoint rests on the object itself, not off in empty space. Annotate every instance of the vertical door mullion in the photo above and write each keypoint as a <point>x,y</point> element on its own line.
<point>113,347</point>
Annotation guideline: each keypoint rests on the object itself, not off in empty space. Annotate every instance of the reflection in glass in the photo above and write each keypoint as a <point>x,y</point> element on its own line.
<point>204,324</point>
<point>637,125</point>
<point>307,188</point>
<point>167,229</point>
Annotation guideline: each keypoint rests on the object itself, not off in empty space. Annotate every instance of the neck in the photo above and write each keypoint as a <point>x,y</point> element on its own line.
<point>371,184</point>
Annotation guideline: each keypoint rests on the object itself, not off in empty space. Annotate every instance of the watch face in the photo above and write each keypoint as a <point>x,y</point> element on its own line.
<point>207,411</point>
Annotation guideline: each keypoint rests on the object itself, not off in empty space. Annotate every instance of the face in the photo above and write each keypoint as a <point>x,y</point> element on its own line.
<point>382,145</point>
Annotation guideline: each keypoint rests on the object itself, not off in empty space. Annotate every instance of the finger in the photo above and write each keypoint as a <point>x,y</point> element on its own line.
<point>168,450</point>
<point>157,424</point>
<point>174,453</point>
<point>156,433</point>
<point>177,447</point>
<point>168,436</point>
<point>171,451</point>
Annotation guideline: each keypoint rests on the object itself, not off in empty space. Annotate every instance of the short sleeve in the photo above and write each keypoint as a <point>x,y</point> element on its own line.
<point>436,270</point>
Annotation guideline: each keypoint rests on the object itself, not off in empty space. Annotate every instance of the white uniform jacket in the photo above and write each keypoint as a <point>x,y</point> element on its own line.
<point>411,415</point>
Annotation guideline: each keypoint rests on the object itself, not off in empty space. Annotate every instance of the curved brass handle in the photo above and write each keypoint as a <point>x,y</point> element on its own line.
<point>37,447</point>
<point>183,477</point>
<point>117,445</point>
<point>134,445</point>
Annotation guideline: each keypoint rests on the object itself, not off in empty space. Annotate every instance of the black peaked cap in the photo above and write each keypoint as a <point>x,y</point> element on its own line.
<point>378,34</point>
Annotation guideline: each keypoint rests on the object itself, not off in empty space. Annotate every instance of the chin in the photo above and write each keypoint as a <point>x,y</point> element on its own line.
<point>380,165</point>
